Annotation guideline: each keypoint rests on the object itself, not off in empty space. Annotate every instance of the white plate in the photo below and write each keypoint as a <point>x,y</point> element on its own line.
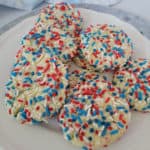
<point>14,136</point>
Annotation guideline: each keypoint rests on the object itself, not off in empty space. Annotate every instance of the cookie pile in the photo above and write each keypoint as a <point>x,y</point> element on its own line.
<point>60,72</point>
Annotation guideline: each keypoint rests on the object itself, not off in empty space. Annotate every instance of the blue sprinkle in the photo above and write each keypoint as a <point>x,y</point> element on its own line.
<point>47,111</point>
<point>104,118</point>
<point>142,63</point>
<point>44,114</point>
<point>44,31</point>
<point>35,122</point>
<point>9,83</point>
<point>53,60</point>
<point>98,122</point>
<point>54,91</point>
<point>36,36</point>
<point>122,95</point>
<point>65,129</point>
<point>105,36</point>
<point>119,50</point>
<point>84,148</point>
<point>55,114</point>
<point>38,20</point>
<point>79,120</point>
<point>146,70</point>
<point>114,94</point>
<point>35,99</point>
<point>49,79</point>
<point>23,115</point>
<point>40,98</point>
<point>61,85</point>
<point>110,54</point>
<point>82,112</point>
<point>89,121</point>
<point>120,125</point>
<point>101,113</point>
<point>20,73</point>
<point>9,102</point>
<point>47,50</point>
<point>98,91</point>
<point>96,62</point>
<point>93,43</point>
<point>127,84</point>
<point>137,85</point>
<point>114,132</point>
<point>109,108</point>
<point>21,110</point>
<point>120,107</point>
<point>91,130</point>
<point>46,90</point>
<point>107,124</point>
<point>94,84</point>
<point>104,45</point>
<point>30,102</point>
<point>39,73</point>
<point>148,89</point>
<point>74,118</point>
<point>68,137</point>
<point>132,91</point>
<point>47,17</point>
<point>140,96</point>
<point>27,79</point>
<point>104,132</point>
<point>32,73</point>
<point>14,74</point>
<point>34,59</point>
<point>66,57</point>
<point>94,113</point>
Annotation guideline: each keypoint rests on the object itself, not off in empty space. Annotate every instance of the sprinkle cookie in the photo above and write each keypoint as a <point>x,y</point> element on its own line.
<point>96,115</point>
<point>63,16</point>
<point>105,47</point>
<point>57,30</point>
<point>134,81</point>
<point>55,42</point>
<point>36,88</point>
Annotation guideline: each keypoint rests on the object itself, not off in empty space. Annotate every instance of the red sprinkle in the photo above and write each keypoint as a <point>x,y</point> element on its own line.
<point>47,68</point>
<point>8,95</point>
<point>63,8</point>
<point>26,85</point>
<point>37,108</point>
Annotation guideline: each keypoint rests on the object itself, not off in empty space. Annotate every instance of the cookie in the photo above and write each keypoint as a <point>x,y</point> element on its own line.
<point>55,42</point>
<point>134,81</point>
<point>105,47</point>
<point>57,30</point>
<point>96,115</point>
<point>62,16</point>
<point>36,90</point>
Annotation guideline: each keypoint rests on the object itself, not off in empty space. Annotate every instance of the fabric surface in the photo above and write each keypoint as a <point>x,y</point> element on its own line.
<point>141,24</point>
<point>21,4</point>
<point>100,2</point>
